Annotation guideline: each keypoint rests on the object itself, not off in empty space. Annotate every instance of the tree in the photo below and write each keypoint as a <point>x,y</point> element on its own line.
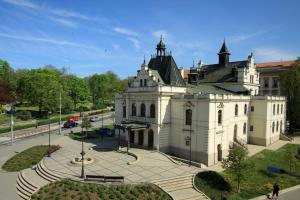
<point>290,86</point>
<point>237,164</point>
<point>289,157</point>
<point>77,89</point>
<point>86,123</point>
<point>6,93</point>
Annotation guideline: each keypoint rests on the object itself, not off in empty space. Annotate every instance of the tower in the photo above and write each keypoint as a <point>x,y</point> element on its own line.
<point>224,55</point>
<point>161,48</point>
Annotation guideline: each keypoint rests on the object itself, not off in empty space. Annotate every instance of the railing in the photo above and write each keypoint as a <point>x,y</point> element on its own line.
<point>142,119</point>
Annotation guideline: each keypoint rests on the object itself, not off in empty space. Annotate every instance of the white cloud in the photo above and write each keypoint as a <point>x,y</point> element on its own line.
<point>159,33</point>
<point>23,3</point>
<point>72,14</point>
<point>271,54</point>
<point>135,42</point>
<point>116,46</point>
<point>243,37</point>
<point>64,22</point>
<point>125,31</point>
<point>46,40</point>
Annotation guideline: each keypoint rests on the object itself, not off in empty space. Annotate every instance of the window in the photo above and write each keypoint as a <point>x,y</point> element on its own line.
<point>275,83</point>
<point>145,82</point>
<point>274,107</point>
<point>152,111</point>
<point>187,142</point>
<point>235,131</point>
<point>124,111</point>
<point>245,128</point>
<point>251,78</point>
<point>266,82</point>
<point>220,117</point>
<point>280,126</point>
<point>251,128</point>
<point>143,110</point>
<point>188,117</point>
<point>277,126</point>
<point>133,109</point>
<point>273,127</point>
<point>281,108</point>
<point>141,82</point>
<point>252,108</point>
<point>236,110</point>
<point>277,109</point>
<point>245,109</point>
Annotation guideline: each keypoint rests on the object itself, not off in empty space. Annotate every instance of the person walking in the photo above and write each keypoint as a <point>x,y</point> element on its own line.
<point>275,190</point>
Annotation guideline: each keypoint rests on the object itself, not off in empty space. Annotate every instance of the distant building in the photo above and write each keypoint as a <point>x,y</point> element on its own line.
<point>269,76</point>
<point>219,106</point>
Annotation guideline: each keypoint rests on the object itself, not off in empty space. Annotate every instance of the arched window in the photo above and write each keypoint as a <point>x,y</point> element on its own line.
<point>220,117</point>
<point>274,107</point>
<point>143,110</point>
<point>124,111</point>
<point>145,82</point>
<point>277,126</point>
<point>273,127</point>
<point>277,109</point>
<point>141,82</point>
<point>235,131</point>
<point>236,110</point>
<point>188,117</point>
<point>281,108</point>
<point>245,109</point>
<point>245,128</point>
<point>133,109</point>
<point>280,126</point>
<point>152,111</point>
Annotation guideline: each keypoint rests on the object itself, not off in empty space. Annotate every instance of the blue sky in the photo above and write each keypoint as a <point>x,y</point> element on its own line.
<point>96,36</point>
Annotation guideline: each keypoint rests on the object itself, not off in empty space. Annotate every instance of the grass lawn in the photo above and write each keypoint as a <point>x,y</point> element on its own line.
<point>259,181</point>
<point>79,135</point>
<point>27,158</point>
<point>67,189</point>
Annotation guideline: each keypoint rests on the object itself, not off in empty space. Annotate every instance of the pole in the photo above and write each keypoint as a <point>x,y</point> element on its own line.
<point>190,145</point>
<point>49,134</point>
<point>60,112</point>
<point>12,125</point>
<point>102,118</point>
<point>128,139</point>
<point>82,160</point>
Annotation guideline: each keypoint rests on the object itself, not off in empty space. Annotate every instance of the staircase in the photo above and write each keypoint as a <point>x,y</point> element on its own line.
<point>25,188</point>
<point>180,188</point>
<point>39,177</point>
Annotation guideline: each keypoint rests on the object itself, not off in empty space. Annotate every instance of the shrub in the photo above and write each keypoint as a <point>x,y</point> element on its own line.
<point>24,115</point>
<point>215,180</point>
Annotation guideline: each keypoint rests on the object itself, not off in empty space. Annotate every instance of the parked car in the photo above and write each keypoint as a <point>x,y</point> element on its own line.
<point>94,119</point>
<point>107,132</point>
<point>69,124</point>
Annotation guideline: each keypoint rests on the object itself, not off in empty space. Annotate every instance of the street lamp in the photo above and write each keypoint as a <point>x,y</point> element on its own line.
<point>82,160</point>
<point>49,121</point>
<point>12,124</point>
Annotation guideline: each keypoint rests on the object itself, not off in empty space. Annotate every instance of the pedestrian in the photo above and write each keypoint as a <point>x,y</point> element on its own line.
<point>275,190</point>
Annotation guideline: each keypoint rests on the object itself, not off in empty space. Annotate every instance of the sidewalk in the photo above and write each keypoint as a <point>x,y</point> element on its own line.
<point>283,194</point>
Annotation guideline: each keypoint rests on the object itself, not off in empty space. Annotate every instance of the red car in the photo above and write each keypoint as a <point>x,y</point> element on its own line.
<point>74,119</point>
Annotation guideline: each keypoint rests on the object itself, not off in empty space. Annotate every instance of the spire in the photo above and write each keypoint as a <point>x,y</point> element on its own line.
<point>161,47</point>
<point>224,54</point>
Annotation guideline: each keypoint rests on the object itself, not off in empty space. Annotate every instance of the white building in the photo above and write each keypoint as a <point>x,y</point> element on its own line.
<point>203,118</point>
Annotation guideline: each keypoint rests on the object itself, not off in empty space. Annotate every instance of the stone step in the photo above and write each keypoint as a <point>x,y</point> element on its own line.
<point>175,188</point>
<point>23,187</point>
<point>54,175</point>
<point>25,181</point>
<point>166,184</point>
<point>44,175</point>
<point>22,190</point>
<point>182,178</point>
<point>35,178</point>
<point>22,196</point>
<point>196,197</point>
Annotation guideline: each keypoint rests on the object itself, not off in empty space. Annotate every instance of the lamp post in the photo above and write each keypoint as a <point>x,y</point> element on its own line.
<point>82,160</point>
<point>59,112</point>
<point>12,124</point>
<point>49,121</point>
<point>190,145</point>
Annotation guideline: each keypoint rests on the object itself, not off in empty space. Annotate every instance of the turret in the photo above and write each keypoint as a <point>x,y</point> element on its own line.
<point>224,55</point>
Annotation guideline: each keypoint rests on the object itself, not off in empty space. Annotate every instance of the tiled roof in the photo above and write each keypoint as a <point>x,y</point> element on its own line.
<point>275,64</point>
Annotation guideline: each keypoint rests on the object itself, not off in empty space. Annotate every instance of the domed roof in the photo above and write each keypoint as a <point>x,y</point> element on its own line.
<point>161,44</point>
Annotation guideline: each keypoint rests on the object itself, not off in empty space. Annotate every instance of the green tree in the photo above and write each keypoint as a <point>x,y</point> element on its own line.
<point>289,157</point>
<point>78,89</point>
<point>290,86</point>
<point>237,164</point>
<point>6,93</point>
<point>6,73</point>
<point>86,124</point>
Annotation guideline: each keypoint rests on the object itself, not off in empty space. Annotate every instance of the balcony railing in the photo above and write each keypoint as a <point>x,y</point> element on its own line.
<point>142,119</point>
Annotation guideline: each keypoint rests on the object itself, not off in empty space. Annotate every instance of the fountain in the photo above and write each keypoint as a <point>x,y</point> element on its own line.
<point>78,160</point>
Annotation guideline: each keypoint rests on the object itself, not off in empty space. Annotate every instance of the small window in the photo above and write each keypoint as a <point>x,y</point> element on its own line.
<point>187,142</point>
<point>133,109</point>
<point>152,111</point>
<point>281,108</point>
<point>220,117</point>
<point>280,126</point>
<point>124,111</point>
<point>266,82</point>
<point>273,127</point>
<point>188,117</point>
<point>145,82</point>
<point>252,108</point>
<point>274,107</point>
<point>251,128</point>
<point>277,109</point>
<point>143,110</point>
<point>275,83</point>
<point>141,82</point>
<point>277,126</point>
<point>236,110</point>
<point>245,109</point>
<point>245,128</point>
